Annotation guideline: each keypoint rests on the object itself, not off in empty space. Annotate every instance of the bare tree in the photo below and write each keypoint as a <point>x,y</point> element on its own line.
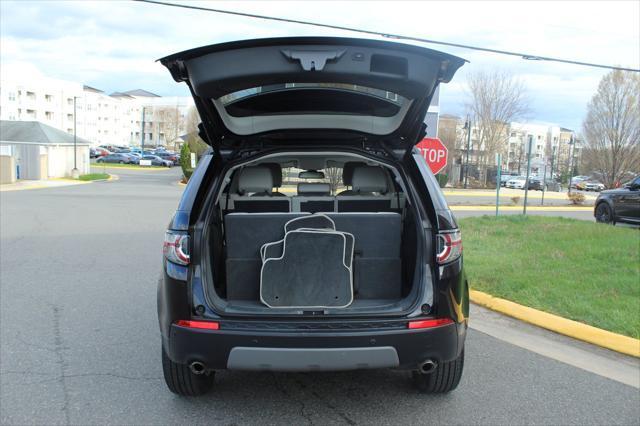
<point>334,175</point>
<point>612,127</point>
<point>170,122</point>
<point>496,98</point>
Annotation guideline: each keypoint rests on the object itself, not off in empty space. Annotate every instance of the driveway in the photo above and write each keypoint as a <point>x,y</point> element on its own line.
<point>79,340</point>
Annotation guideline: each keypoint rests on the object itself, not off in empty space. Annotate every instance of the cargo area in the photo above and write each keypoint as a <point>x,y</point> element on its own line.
<point>294,234</point>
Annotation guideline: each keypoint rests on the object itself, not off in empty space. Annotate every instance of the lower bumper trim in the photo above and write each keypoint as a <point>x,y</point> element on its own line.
<point>311,359</point>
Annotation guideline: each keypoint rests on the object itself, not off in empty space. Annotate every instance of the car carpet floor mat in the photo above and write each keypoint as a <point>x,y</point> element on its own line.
<point>313,271</point>
<point>275,249</point>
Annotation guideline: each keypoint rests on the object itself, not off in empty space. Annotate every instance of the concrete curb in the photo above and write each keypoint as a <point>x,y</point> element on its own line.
<point>577,330</point>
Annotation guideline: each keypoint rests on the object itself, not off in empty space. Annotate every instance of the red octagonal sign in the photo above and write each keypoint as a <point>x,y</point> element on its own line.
<point>434,153</point>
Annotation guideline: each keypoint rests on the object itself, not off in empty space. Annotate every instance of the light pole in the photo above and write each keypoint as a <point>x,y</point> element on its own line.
<point>572,149</point>
<point>467,126</point>
<point>75,173</point>
<point>526,182</point>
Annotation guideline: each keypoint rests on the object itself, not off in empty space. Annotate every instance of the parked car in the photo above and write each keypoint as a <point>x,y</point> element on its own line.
<point>505,177</point>
<point>134,157</point>
<point>168,156</point>
<point>101,152</point>
<point>577,180</point>
<point>157,161</point>
<point>619,205</point>
<point>115,158</point>
<point>219,310</point>
<point>517,182</point>
<point>536,184</point>
<point>593,186</point>
<point>93,153</point>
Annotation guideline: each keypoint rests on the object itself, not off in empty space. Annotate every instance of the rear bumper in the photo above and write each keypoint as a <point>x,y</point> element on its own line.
<point>313,351</point>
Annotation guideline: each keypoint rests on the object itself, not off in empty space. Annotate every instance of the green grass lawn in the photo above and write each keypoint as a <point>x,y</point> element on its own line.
<point>580,270</point>
<point>94,176</point>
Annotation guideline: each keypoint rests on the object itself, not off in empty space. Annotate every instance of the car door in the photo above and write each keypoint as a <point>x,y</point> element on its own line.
<point>627,203</point>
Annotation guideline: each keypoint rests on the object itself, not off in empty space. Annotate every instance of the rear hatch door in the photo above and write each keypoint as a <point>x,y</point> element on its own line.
<point>270,91</point>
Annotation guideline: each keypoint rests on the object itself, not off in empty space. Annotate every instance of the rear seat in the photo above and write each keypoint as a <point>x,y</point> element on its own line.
<point>314,198</point>
<point>369,191</point>
<point>259,182</point>
<point>377,262</point>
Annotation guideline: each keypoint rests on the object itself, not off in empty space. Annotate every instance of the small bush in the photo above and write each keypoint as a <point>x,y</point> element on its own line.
<point>515,200</point>
<point>185,161</point>
<point>576,198</point>
<point>443,178</point>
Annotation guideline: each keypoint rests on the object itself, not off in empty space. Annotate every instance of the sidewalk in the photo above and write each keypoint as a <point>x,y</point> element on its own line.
<point>22,185</point>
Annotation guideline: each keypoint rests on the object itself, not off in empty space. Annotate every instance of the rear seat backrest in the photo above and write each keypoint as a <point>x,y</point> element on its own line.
<point>259,182</point>
<point>366,182</point>
<point>377,261</point>
<point>314,198</point>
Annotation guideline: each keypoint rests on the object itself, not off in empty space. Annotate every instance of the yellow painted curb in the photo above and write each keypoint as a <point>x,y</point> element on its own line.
<point>577,330</point>
<point>519,208</point>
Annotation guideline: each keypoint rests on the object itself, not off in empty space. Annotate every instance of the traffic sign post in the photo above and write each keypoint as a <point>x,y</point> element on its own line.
<point>434,153</point>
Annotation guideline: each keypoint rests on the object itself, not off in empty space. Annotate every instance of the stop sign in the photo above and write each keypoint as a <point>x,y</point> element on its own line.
<point>434,153</point>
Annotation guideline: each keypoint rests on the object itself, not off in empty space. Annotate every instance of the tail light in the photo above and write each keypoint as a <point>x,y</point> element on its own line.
<point>449,246</point>
<point>176,247</point>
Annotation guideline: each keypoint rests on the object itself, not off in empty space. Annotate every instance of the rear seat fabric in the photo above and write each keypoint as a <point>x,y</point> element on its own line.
<point>245,233</point>
<point>376,263</point>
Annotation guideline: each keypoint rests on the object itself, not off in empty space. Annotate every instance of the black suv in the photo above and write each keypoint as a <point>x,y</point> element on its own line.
<point>619,205</point>
<point>354,261</point>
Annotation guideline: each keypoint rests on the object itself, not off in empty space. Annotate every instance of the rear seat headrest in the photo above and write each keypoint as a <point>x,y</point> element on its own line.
<point>369,179</point>
<point>276,172</point>
<point>347,171</point>
<point>315,189</point>
<point>255,179</point>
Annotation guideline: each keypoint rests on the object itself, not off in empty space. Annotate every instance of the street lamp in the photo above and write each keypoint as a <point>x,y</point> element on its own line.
<point>572,149</point>
<point>75,173</point>
<point>467,127</point>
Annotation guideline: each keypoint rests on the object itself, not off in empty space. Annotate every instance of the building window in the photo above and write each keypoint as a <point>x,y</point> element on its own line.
<point>48,98</point>
<point>513,134</point>
<point>69,116</point>
<point>69,101</point>
<point>31,95</point>
<point>48,115</point>
<point>12,96</point>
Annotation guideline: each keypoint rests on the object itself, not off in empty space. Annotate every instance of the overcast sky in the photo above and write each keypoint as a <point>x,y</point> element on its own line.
<point>113,45</point>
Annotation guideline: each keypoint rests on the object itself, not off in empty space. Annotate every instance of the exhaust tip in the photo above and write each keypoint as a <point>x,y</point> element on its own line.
<point>427,367</point>
<point>197,368</point>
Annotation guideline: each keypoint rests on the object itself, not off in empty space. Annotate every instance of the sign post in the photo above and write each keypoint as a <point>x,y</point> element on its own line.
<point>498,179</point>
<point>434,153</point>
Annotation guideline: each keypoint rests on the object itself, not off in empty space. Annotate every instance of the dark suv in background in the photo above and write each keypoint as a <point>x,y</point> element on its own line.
<point>324,274</point>
<point>619,205</point>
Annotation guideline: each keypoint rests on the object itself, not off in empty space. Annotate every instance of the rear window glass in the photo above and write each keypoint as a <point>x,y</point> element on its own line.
<point>357,89</point>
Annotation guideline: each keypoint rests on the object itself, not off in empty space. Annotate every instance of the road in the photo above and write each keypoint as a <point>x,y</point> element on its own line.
<point>79,340</point>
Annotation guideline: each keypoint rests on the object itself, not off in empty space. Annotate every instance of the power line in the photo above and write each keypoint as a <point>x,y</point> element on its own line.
<point>394,36</point>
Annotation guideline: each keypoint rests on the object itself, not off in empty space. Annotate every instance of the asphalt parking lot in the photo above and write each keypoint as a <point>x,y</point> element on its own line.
<point>79,341</point>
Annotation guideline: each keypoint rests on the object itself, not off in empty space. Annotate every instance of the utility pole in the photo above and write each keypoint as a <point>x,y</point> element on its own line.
<point>526,182</point>
<point>553,155</point>
<point>75,173</point>
<point>466,167</point>
<point>498,179</point>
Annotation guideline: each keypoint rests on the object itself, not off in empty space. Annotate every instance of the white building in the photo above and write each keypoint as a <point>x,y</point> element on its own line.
<point>100,118</point>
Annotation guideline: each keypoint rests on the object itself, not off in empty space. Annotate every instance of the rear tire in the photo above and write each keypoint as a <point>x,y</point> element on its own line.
<point>445,378</point>
<point>181,381</point>
<point>604,213</point>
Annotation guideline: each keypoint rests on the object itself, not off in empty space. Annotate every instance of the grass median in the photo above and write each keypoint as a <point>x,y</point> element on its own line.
<point>581,270</point>
<point>94,176</point>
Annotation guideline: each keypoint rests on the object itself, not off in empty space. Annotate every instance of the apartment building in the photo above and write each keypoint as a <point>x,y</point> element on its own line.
<point>101,118</point>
